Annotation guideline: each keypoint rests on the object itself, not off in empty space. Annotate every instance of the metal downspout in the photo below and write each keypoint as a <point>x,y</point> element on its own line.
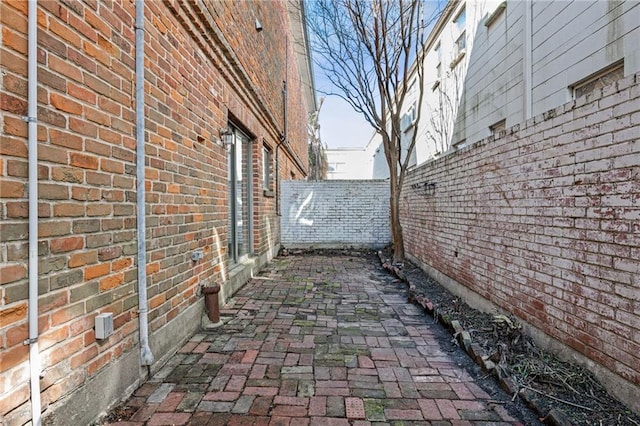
<point>32,117</point>
<point>146,357</point>
<point>283,137</point>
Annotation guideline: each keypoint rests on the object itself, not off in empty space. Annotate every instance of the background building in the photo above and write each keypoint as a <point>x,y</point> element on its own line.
<point>349,163</point>
<point>493,64</point>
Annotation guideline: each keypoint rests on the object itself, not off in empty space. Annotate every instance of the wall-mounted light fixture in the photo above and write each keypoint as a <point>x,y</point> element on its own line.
<point>258,26</point>
<point>226,136</point>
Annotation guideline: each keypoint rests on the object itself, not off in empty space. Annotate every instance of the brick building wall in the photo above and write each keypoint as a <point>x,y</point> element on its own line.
<point>205,65</point>
<point>335,213</point>
<point>544,223</point>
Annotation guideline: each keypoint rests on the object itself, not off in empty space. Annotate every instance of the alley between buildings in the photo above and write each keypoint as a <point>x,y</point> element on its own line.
<point>318,339</point>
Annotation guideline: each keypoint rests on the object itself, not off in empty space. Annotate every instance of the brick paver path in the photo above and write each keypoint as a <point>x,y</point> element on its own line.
<point>316,340</point>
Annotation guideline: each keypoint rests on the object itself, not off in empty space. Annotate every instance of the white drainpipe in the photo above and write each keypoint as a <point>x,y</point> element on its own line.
<point>146,356</point>
<point>32,116</point>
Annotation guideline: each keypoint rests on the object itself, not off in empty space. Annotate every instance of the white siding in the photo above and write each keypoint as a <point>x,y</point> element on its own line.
<point>570,40</point>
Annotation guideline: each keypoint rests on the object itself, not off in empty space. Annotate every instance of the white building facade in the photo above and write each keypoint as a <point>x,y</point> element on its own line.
<point>363,163</point>
<point>493,64</point>
<point>490,65</point>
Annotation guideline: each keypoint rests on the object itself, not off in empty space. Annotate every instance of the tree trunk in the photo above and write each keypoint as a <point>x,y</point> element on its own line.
<point>396,227</point>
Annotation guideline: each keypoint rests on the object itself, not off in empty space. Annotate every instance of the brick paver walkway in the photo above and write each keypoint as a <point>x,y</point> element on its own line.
<point>316,340</point>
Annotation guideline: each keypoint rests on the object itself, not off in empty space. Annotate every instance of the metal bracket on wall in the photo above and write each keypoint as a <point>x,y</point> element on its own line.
<point>197,255</point>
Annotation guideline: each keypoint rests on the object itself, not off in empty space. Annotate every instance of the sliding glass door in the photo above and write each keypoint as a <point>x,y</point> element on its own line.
<point>239,166</point>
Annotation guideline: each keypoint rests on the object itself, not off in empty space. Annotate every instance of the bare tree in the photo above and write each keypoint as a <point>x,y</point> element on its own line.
<point>318,165</point>
<point>371,51</point>
<point>442,111</point>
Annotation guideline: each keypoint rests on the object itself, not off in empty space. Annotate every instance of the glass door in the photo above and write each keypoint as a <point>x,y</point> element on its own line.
<point>239,166</point>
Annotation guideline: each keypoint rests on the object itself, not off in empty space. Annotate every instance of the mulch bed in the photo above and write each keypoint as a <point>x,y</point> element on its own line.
<point>561,393</point>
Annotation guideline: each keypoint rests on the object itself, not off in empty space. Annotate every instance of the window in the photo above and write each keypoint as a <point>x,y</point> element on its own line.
<point>413,87</point>
<point>439,56</point>
<point>438,52</point>
<point>239,162</point>
<point>437,82</point>
<point>336,167</point>
<point>408,118</point>
<point>266,168</point>
<point>461,41</point>
<point>498,127</point>
<point>460,20</point>
<point>460,144</point>
<point>459,50</point>
<point>598,80</point>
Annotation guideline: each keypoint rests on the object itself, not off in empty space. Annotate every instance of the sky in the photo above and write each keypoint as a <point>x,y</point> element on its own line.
<point>341,126</point>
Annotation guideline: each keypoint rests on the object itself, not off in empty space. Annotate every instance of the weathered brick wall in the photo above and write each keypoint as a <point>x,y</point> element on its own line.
<point>264,59</point>
<point>544,222</point>
<point>335,213</point>
<point>268,62</point>
<point>86,155</point>
<point>87,212</point>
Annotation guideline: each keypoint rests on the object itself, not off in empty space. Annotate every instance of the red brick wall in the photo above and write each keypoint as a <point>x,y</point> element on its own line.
<point>545,223</point>
<point>86,156</point>
<point>198,75</point>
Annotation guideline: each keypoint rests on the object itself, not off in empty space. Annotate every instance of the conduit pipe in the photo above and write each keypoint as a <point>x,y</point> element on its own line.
<point>31,118</point>
<point>283,136</point>
<point>283,139</point>
<point>146,356</point>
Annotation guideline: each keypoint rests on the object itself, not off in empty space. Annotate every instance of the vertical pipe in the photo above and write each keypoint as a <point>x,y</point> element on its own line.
<point>284,90</point>
<point>32,113</point>
<point>528,54</point>
<point>146,356</point>
<point>283,138</point>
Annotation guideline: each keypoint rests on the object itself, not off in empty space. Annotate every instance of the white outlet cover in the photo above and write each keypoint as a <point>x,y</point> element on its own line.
<point>104,325</point>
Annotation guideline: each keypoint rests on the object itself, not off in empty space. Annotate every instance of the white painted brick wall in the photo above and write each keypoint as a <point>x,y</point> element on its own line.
<point>335,213</point>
